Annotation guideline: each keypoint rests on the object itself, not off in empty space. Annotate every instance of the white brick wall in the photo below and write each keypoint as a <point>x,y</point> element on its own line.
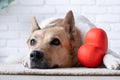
<point>15,21</point>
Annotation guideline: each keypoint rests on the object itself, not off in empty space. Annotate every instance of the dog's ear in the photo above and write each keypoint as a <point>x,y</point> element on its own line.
<point>69,21</point>
<point>35,25</point>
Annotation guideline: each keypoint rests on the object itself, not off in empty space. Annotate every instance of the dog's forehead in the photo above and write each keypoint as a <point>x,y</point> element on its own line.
<point>37,33</point>
<point>49,32</point>
<point>55,31</point>
<point>52,28</point>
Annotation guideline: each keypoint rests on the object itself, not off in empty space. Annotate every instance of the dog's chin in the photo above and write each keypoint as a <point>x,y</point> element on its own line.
<point>38,65</point>
<point>41,65</point>
<point>55,66</point>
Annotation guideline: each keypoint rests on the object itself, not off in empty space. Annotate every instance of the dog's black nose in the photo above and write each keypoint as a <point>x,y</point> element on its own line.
<point>36,55</point>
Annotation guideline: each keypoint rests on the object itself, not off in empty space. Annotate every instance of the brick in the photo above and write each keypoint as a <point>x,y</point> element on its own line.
<point>94,10</point>
<point>19,43</point>
<point>43,10</point>
<point>18,26</point>
<point>2,43</point>
<point>100,2</point>
<point>83,2</point>
<point>114,43</point>
<point>19,10</point>
<point>65,9</point>
<point>2,59</point>
<point>9,35</point>
<point>8,51</point>
<point>40,17</point>
<point>108,18</point>
<point>114,10</point>
<point>8,18</point>
<point>47,16</point>
<point>25,34</point>
<point>113,35</point>
<point>32,2</point>
<point>107,2</point>
<point>3,11</point>
<point>3,27</point>
<point>104,26</point>
<point>57,2</point>
<point>116,49</point>
<point>23,50</point>
<point>115,27</point>
<point>25,18</point>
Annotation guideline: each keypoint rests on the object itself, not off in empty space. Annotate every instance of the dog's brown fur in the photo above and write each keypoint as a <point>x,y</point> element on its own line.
<point>63,55</point>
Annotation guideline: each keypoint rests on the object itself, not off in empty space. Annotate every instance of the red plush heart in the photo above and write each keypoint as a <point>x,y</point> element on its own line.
<point>91,53</point>
<point>90,56</point>
<point>98,38</point>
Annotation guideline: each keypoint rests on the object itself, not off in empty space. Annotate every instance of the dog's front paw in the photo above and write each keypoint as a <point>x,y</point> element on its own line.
<point>111,62</point>
<point>25,62</point>
<point>114,64</point>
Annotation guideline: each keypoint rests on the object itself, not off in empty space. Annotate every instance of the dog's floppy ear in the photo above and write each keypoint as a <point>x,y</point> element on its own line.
<point>69,21</point>
<point>35,25</point>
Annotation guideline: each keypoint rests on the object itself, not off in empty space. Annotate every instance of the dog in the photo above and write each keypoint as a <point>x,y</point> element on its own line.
<point>54,44</point>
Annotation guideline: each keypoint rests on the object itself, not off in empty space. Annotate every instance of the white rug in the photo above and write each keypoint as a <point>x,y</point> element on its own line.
<point>18,69</point>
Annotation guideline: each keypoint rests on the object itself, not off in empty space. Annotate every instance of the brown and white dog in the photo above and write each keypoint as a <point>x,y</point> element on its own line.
<point>54,44</point>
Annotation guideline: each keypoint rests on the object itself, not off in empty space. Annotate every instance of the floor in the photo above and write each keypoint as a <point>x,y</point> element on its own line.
<point>17,69</point>
<point>34,77</point>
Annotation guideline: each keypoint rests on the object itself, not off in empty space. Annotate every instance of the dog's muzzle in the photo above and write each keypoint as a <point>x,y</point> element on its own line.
<point>37,59</point>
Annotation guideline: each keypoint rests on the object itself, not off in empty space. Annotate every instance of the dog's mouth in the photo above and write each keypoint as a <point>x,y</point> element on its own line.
<point>55,66</point>
<point>38,65</point>
<point>42,65</point>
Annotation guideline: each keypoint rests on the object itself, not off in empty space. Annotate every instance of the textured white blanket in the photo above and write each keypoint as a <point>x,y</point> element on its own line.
<point>18,69</point>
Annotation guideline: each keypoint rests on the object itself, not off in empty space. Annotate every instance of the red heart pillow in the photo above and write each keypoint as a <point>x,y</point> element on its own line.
<point>91,53</point>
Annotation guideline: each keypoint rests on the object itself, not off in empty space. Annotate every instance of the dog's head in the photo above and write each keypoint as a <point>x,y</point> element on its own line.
<point>55,45</point>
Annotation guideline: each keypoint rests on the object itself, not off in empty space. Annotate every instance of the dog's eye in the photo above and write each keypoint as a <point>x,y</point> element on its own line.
<point>33,42</point>
<point>55,42</point>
